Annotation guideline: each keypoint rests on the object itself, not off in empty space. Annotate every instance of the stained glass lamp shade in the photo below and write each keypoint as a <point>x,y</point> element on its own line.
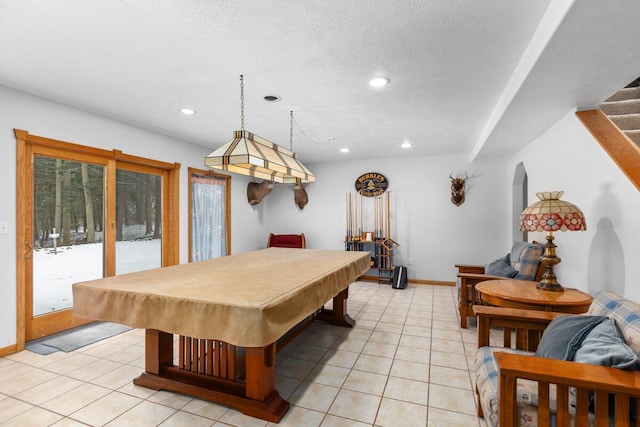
<point>551,214</point>
<point>248,154</point>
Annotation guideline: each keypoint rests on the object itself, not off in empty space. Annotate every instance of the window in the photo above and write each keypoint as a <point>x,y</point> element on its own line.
<point>209,215</point>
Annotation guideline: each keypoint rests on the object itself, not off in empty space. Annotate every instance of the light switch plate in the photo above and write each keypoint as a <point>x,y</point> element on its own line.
<point>4,227</point>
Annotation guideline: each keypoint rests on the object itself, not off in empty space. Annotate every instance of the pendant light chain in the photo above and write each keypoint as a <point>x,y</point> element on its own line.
<point>298,180</point>
<point>241,102</point>
<point>291,131</point>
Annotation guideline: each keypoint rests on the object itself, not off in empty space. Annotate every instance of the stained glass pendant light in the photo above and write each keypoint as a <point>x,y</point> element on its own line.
<point>251,155</point>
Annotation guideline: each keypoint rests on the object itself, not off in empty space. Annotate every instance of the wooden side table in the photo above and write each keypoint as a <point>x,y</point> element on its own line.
<point>524,294</point>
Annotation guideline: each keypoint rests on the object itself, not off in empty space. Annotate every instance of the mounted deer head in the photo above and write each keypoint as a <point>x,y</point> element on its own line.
<point>257,191</point>
<point>300,196</point>
<point>457,189</point>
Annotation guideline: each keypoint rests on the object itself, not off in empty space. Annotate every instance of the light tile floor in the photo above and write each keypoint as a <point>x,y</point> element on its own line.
<point>406,363</point>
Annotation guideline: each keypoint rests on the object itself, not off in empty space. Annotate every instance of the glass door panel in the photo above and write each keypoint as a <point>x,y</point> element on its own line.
<point>68,224</point>
<point>138,221</point>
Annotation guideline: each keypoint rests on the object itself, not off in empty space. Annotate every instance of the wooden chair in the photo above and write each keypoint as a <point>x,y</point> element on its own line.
<point>565,390</point>
<point>527,265</point>
<point>286,241</point>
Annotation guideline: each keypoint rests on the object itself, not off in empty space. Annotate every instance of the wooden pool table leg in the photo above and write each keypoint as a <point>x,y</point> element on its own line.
<point>338,315</point>
<point>255,395</point>
<point>158,348</point>
<point>260,385</point>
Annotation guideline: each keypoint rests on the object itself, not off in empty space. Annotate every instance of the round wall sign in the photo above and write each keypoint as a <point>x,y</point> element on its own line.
<point>371,184</point>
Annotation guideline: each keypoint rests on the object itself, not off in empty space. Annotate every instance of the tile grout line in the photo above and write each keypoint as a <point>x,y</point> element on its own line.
<point>434,297</point>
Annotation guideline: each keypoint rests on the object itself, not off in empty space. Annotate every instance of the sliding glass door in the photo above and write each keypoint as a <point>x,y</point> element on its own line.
<point>138,221</point>
<point>84,214</point>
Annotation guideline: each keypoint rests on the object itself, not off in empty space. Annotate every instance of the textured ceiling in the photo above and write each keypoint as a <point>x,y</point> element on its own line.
<point>451,64</point>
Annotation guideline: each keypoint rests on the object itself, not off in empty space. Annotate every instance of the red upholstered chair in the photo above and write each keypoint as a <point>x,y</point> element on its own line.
<point>286,241</point>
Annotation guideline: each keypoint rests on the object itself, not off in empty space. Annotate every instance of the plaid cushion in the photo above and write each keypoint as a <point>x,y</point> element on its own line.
<point>527,394</point>
<point>527,265</point>
<point>625,313</point>
<point>486,369</point>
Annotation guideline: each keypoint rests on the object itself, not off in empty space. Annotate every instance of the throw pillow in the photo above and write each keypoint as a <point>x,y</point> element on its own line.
<point>500,267</point>
<point>605,346</point>
<point>564,336</point>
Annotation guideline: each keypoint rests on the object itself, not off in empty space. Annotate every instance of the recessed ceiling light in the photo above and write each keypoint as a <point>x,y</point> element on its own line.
<point>187,111</point>
<point>379,81</point>
<point>406,144</point>
<point>344,150</point>
<point>272,98</point>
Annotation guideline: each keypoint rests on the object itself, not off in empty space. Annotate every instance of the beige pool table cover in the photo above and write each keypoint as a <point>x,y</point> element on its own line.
<point>249,300</point>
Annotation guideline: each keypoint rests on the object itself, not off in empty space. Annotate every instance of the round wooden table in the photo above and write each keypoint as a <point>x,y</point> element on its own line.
<point>524,294</point>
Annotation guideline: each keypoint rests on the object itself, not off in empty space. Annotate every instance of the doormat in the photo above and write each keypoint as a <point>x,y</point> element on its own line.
<point>76,338</point>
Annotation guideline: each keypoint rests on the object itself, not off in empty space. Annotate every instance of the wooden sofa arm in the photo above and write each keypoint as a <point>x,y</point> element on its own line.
<point>527,324</point>
<point>516,314</point>
<point>604,381</point>
<point>476,277</point>
<point>468,268</point>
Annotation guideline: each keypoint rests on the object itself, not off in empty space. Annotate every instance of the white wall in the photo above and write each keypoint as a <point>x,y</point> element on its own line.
<point>605,257</point>
<point>52,120</point>
<point>428,227</point>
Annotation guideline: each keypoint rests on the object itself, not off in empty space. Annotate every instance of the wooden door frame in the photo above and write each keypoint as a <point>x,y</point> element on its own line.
<point>29,145</point>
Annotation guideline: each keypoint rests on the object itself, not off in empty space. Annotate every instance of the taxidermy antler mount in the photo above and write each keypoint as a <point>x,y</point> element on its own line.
<point>300,196</point>
<point>257,191</point>
<point>457,189</point>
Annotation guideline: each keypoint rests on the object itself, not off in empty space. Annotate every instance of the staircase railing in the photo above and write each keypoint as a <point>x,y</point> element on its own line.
<point>622,150</point>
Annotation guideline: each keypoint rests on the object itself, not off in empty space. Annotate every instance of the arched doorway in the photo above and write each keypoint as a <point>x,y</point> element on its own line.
<point>519,197</point>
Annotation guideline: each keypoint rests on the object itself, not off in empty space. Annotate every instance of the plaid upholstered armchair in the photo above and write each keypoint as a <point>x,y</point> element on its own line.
<point>521,263</point>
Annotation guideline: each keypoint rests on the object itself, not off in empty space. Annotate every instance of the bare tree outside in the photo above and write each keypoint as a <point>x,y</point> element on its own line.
<point>69,215</point>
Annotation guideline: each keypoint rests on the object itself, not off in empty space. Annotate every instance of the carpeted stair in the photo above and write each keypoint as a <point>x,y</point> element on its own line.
<point>623,108</point>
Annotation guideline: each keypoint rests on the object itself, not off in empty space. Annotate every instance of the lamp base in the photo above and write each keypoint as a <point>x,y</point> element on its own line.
<point>550,287</point>
<point>549,280</point>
